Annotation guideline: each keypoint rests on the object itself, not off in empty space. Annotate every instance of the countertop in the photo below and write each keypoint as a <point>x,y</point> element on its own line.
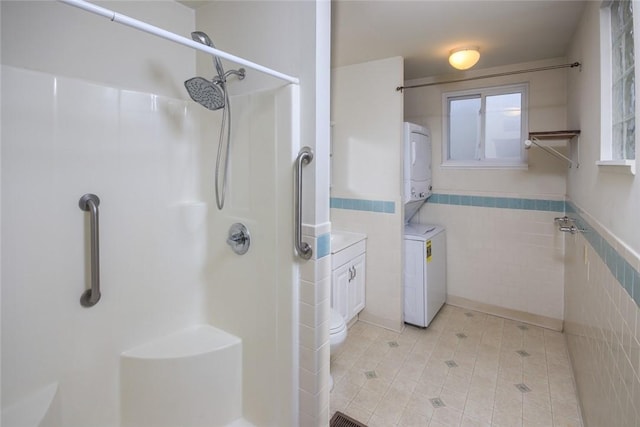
<point>343,239</point>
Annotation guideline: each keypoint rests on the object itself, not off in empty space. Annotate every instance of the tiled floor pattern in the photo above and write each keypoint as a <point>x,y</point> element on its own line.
<point>466,369</point>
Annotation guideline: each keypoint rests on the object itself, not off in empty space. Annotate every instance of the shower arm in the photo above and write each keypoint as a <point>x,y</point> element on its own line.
<point>156,31</point>
<point>240,73</point>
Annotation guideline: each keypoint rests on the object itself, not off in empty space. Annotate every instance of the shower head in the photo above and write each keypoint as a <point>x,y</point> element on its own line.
<point>201,37</point>
<point>205,92</point>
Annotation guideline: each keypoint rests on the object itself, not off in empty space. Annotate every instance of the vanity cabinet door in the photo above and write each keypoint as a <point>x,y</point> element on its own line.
<point>340,290</point>
<point>357,286</point>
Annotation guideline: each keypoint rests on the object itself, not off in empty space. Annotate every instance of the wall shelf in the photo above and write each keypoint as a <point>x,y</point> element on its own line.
<point>536,138</point>
<point>557,134</point>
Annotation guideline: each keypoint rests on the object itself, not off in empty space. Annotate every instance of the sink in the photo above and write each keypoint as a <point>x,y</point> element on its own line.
<point>343,239</point>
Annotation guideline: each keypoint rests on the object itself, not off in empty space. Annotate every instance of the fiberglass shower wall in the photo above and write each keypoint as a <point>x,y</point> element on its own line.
<point>252,296</point>
<point>294,38</point>
<point>115,123</point>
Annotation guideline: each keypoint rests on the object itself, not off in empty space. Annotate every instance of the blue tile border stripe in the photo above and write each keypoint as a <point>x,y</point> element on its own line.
<point>323,245</point>
<point>499,202</point>
<point>381,206</point>
<point>453,199</point>
<point>625,273</point>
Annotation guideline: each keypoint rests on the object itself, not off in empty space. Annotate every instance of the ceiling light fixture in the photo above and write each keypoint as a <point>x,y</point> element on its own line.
<point>464,57</point>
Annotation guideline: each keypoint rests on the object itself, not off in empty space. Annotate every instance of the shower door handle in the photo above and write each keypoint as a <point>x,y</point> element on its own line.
<point>305,156</point>
<point>89,203</point>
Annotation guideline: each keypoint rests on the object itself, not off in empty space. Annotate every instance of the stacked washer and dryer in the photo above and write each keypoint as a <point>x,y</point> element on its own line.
<point>425,273</point>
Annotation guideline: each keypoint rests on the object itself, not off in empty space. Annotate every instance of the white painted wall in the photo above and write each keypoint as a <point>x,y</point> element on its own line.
<point>602,320</point>
<point>546,175</point>
<point>366,112</point>
<point>612,199</point>
<point>509,261</point>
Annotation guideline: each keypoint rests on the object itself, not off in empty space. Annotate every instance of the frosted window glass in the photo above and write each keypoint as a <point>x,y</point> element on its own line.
<point>502,126</point>
<point>486,126</point>
<point>464,127</point>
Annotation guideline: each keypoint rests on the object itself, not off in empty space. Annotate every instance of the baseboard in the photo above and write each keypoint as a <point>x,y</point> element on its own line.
<point>507,313</point>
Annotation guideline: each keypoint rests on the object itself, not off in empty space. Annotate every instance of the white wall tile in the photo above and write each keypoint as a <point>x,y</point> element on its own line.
<point>499,257</point>
<point>600,322</point>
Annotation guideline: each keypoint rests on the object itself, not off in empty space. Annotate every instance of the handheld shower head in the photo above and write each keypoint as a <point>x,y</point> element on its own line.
<point>212,94</point>
<point>206,93</point>
<point>202,37</point>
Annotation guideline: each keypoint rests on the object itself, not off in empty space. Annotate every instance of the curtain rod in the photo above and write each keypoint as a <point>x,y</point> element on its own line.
<point>509,73</point>
<point>156,31</point>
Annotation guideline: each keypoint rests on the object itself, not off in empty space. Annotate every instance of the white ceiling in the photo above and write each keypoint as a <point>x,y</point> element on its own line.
<point>423,32</point>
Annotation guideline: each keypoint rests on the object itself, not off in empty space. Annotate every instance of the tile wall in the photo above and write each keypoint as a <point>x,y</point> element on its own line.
<point>384,304</point>
<point>380,206</point>
<point>508,253</point>
<point>314,296</point>
<point>602,322</point>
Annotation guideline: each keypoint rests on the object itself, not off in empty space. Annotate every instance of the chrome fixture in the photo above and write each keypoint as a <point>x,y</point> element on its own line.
<point>352,273</point>
<point>213,95</point>
<point>567,225</point>
<point>239,239</point>
<point>305,156</point>
<point>89,203</point>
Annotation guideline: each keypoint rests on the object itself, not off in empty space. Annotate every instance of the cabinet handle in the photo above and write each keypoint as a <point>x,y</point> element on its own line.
<point>355,272</point>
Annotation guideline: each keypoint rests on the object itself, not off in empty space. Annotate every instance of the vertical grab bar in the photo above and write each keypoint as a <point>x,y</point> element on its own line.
<point>305,156</point>
<point>89,203</point>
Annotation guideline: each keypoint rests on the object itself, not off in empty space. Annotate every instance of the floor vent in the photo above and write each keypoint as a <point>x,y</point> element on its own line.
<point>341,420</point>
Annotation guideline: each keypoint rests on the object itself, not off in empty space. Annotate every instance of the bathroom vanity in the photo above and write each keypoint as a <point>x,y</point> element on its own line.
<point>348,273</point>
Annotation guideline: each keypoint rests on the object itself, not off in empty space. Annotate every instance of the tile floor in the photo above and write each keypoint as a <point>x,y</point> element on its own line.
<point>466,369</point>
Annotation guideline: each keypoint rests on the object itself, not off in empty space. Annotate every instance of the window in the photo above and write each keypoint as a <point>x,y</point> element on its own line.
<point>485,127</point>
<point>618,71</point>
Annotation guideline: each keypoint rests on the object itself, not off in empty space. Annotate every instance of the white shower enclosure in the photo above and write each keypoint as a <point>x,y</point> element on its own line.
<point>165,262</point>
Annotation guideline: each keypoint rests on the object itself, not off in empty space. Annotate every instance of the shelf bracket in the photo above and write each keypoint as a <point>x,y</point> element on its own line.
<point>536,137</point>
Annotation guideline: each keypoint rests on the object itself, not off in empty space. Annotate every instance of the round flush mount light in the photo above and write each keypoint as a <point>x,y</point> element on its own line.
<point>464,58</point>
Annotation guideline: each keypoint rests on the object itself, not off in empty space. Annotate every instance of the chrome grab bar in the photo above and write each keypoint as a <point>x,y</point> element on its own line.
<point>305,156</point>
<point>89,203</point>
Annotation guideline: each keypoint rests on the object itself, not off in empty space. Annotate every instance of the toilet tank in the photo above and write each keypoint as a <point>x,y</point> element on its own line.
<point>417,162</point>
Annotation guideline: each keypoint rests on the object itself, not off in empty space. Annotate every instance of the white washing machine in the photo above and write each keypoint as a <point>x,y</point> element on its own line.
<point>425,272</point>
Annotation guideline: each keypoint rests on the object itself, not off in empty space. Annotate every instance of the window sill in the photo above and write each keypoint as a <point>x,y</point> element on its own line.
<point>484,165</point>
<point>625,167</point>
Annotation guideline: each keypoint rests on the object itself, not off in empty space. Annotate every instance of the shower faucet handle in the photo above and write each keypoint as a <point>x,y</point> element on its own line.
<point>236,238</point>
<point>239,239</point>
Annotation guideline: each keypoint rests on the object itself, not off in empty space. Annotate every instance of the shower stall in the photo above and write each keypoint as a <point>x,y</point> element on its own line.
<point>102,109</point>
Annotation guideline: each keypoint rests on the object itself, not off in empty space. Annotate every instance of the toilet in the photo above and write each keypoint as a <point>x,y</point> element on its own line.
<point>337,336</point>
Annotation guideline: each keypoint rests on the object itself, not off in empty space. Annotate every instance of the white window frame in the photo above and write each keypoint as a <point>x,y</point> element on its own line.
<point>522,163</point>
<point>606,96</point>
